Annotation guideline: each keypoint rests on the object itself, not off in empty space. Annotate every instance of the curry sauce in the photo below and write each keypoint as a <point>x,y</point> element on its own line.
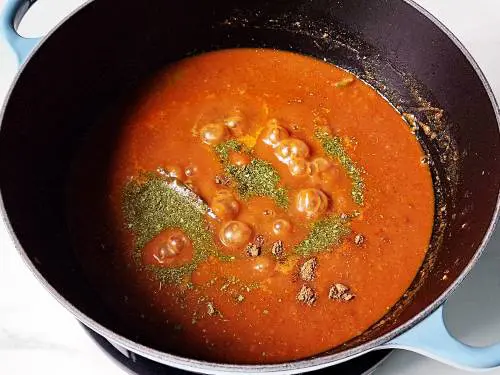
<point>254,206</point>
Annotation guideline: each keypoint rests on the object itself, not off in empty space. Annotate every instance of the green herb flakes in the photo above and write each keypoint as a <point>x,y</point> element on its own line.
<point>150,206</point>
<point>333,147</point>
<point>256,179</point>
<point>224,149</point>
<point>324,234</point>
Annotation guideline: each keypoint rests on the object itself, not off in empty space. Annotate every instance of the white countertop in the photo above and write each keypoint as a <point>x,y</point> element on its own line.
<point>39,336</point>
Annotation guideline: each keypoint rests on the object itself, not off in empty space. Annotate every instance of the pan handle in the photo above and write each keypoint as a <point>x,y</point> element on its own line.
<point>10,17</point>
<point>432,339</point>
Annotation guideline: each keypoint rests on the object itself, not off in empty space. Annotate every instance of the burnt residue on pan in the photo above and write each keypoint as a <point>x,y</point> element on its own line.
<point>430,124</point>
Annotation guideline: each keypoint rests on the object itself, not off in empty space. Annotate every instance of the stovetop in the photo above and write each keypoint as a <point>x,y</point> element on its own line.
<point>138,365</point>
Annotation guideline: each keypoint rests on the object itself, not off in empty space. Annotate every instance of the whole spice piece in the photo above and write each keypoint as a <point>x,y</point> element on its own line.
<point>278,249</point>
<point>306,295</point>
<point>222,180</point>
<point>359,239</point>
<point>308,269</point>
<point>252,250</point>
<point>344,82</point>
<point>210,309</point>
<point>412,121</point>
<point>259,240</point>
<point>340,292</point>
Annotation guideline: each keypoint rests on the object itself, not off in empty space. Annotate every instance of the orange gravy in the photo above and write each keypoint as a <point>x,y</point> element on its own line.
<point>251,306</point>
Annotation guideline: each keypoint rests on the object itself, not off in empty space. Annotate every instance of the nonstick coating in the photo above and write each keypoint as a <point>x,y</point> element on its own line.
<point>108,47</point>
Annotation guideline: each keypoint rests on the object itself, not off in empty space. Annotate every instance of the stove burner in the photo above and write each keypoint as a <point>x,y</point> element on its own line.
<point>138,365</point>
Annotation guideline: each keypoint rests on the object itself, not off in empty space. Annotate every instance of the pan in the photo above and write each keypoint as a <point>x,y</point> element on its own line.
<point>105,48</point>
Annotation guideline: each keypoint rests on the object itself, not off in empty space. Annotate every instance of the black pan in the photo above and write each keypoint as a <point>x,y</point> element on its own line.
<point>108,47</point>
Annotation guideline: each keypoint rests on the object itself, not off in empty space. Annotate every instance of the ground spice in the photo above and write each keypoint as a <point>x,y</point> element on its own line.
<point>333,147</point>
<point>233,286</point>
<point>324,234</point>
<point>257,178</point>
<point>278,249</point>
<point>252,250</point>
<point>359,239</point>
<point>229,281</point>
<point>308,269</point>
<point>225,148</point>
<point>259,240</point>
<point>150,205</point>
<point>306,295</point>
<point>340,292</point>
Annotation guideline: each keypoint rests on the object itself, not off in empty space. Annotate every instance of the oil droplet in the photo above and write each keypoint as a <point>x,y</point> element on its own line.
<point>273,134</point>
<point>298,167</point>
<point>239,159</point>
<point>224,205</point>
<point>311,202</point>
<point>235,233</point>
<point>291,148</point>
<point>281,227</point>
<point>213,134</point>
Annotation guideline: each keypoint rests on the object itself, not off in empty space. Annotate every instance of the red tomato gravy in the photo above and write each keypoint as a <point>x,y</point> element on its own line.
<point>317,214</point>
